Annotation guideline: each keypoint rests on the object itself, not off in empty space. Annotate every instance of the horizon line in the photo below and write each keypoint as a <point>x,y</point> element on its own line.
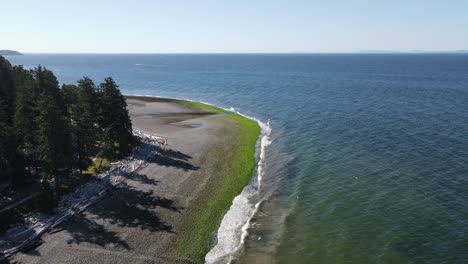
<point>234,53</point>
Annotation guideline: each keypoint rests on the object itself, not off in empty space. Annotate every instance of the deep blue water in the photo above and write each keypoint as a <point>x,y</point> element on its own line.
<point>369,161</point>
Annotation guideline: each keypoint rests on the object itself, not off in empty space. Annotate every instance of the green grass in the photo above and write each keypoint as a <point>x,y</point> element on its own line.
<point>204,220</point>
<point>203,107</point>
<point>94,168</point>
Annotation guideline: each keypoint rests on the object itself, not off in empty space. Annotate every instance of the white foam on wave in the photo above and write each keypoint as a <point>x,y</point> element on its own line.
<point>147,65</point>
<point>265,142</point>
<point>236,222</point>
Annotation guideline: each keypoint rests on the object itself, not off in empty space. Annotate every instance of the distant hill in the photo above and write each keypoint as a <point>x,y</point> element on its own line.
<point>10,52</point>
<point>412,51</point>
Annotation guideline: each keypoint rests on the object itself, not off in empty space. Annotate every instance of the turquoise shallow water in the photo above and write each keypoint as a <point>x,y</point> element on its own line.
<point>369,161</point>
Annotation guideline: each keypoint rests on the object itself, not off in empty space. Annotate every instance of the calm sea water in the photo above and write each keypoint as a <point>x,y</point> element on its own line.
<point>369,161</point>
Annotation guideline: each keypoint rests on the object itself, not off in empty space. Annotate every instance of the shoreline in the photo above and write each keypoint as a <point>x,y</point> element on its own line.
<point>187,189</point>
<point>231,232</point>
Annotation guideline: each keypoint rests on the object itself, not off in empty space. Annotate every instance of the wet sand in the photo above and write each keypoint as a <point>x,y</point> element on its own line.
<point>141,220</point>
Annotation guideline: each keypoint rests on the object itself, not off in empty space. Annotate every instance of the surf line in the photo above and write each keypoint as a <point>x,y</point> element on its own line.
<point>234,226</point>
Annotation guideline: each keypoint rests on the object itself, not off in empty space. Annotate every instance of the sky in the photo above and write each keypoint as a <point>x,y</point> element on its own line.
<point>238,26</point>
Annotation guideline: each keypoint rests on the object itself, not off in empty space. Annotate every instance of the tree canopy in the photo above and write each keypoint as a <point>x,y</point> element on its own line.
<point>48,132</point>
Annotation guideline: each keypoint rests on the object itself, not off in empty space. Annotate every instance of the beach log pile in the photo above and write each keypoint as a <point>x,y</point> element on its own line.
<point>151,139</point>
<point>25,235</point>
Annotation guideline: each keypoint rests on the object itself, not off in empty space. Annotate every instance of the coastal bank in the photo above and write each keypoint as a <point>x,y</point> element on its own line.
<point>169,210</point>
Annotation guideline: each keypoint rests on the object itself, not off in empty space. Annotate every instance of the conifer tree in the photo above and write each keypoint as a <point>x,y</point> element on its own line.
<point>53,149</point>
<point>25,115</point>
<point>69,95</point>
<point>83,113</point>
<point>7,139</point>
<point>52,130</point>
<point>7,146</point>
<point>7,88</point>
<point>114,119</point>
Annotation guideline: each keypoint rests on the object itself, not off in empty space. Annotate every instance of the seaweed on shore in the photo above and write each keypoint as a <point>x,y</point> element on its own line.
<point>205,218</point>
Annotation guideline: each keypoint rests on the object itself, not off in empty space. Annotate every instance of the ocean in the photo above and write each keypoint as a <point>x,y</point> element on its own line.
<point>368,161</point>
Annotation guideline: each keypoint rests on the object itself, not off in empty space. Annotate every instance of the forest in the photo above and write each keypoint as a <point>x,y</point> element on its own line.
<point>51,133</point>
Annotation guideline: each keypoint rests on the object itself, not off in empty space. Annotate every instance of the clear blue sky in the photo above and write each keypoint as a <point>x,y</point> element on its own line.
<point>203,26</point>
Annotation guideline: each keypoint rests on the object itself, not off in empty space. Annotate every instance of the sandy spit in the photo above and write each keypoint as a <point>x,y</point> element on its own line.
<point>140,221</point>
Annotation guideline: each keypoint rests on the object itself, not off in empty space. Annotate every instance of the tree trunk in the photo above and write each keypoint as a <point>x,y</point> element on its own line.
<point>100,163</point>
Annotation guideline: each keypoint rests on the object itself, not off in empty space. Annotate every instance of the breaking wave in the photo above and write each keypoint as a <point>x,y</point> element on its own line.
<point>236,222</point>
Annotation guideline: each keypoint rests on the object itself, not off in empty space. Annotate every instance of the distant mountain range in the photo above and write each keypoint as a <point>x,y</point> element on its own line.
<point>10,52</point>
<point>413,51</point>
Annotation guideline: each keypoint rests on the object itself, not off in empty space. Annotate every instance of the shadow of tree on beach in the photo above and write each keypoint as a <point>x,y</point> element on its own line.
<point>137,177</point>
<point>30,250</point>
<point>168,161</point>
<point>126,207</point>
<point>85,230</point>
<point>127,210</point>
<point>168,157</point>
<point>174,154</point>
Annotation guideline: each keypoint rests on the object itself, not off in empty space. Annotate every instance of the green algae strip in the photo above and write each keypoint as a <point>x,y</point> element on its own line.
<point>204,107</point>
<point>203,222</point>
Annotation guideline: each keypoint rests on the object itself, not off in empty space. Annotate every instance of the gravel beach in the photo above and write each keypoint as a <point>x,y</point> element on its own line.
<point>140,220</point>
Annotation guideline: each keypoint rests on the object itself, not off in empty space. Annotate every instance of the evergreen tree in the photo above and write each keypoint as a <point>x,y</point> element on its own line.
<point>47,82</point>
<point>25,113</point>
<point>84,122</point>
<point>114,119</point>
<point>43,127</point>
<point>7,146</point>
<point>7,139</point>
<point>7,89</point>
<point>69,95</point>
<point>53,148</point>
